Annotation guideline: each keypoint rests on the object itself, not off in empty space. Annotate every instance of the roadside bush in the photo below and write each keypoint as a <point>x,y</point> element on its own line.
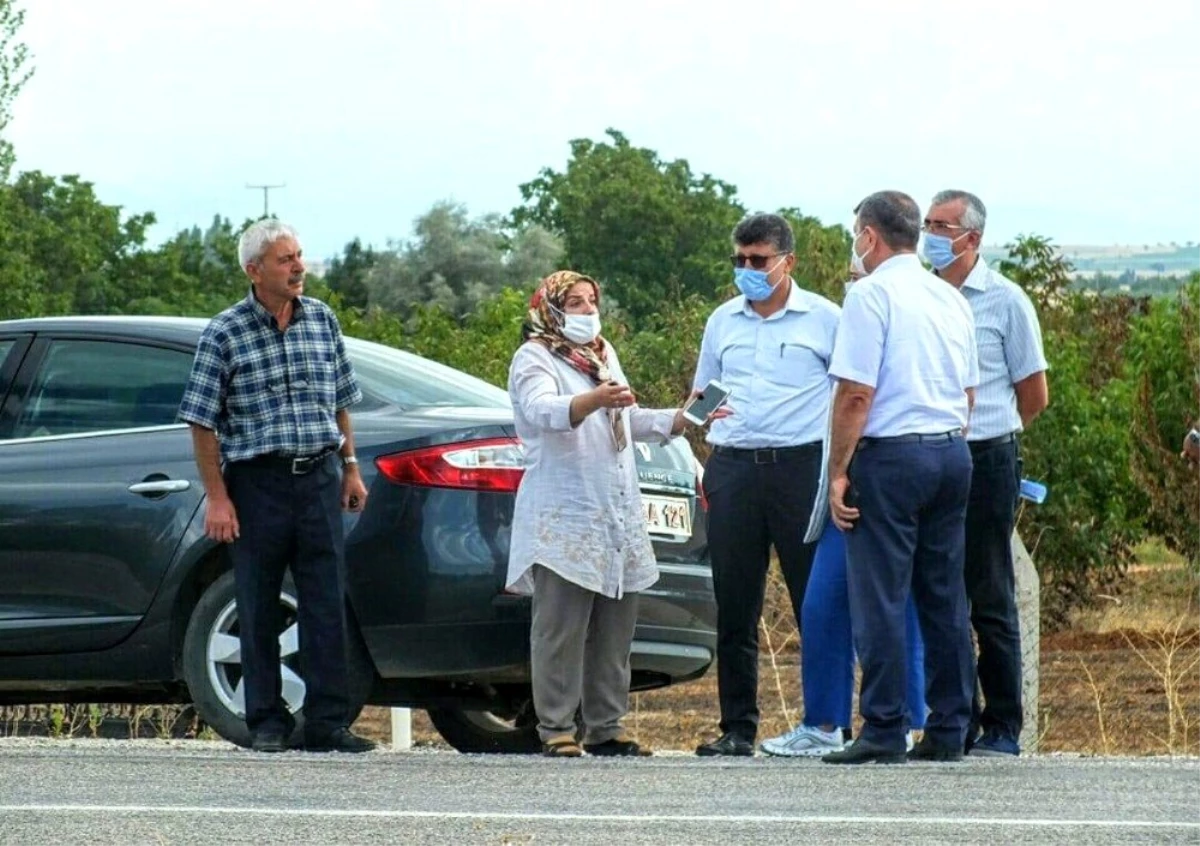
<point>1164,367</point>
<point>1082,537</point>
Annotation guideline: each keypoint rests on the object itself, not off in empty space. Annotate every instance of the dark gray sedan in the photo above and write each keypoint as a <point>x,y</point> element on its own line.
<point>110,592</point>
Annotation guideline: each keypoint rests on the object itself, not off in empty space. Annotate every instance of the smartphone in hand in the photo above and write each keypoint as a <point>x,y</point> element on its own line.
<point>705,403</point>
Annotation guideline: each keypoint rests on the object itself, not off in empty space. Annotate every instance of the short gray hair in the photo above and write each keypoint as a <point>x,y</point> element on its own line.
<point>258,236</point>
<point>974,214</point>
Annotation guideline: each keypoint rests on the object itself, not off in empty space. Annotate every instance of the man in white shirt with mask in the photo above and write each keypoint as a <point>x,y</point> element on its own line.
<point>899,476</point>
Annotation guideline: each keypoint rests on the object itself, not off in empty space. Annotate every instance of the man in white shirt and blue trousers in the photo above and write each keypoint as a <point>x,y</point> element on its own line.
<point>899,479</point>
<point>1012,392</point>
<point>771,348</point>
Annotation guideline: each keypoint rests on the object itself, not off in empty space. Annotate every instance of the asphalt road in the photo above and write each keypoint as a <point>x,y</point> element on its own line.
<point>164,792</point>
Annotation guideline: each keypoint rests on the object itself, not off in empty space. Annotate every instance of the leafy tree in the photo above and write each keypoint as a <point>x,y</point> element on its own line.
<point>651,230</point>
<point>822,254</point>
<point>15,71</point>
<point>347,274</point>
<point>61,249</point>
<point>194,273</point>
<point>1082,537</point>
<point>1163,360</point>
<point>455,262</point>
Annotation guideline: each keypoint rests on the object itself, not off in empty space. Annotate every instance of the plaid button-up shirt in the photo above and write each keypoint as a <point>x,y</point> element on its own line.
<point>266,391</point>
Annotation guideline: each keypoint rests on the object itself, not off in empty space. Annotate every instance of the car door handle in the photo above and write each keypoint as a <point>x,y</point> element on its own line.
<point>162,486</point>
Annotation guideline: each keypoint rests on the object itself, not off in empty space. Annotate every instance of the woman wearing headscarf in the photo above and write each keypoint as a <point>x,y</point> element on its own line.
<point>579,539</point>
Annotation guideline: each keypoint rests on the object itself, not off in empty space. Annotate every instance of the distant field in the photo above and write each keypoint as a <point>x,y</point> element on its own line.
<point>1142,261</point>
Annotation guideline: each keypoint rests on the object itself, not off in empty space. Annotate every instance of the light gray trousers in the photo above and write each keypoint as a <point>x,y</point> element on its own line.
<point>579,647</point>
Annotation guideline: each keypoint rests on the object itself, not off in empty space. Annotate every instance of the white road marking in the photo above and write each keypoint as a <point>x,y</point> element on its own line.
<point>1002,822</point>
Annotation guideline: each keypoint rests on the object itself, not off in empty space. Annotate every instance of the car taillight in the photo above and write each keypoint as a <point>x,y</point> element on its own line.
<point>496,464</point>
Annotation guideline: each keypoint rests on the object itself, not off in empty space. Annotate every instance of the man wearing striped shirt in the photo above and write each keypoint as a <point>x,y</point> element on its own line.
<point>268,398</point>
<point>1012,391</point>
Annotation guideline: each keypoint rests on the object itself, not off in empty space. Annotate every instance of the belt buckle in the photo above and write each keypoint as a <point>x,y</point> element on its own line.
<point>297,463</point>
<point>759,452</point>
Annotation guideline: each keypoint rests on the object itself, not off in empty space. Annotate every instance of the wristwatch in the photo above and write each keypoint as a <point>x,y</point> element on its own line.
<point>347,460</point>
<point>1194,437</point>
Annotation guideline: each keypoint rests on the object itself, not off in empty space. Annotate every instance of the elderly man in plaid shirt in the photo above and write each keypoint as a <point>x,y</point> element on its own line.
<point>268,397</point>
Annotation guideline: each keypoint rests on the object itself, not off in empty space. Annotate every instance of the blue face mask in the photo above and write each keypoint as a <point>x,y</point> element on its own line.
<point>939,250</point>
<point>753,283</point>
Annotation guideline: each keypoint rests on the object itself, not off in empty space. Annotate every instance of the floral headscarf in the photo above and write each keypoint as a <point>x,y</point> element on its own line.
<point>543,325</point>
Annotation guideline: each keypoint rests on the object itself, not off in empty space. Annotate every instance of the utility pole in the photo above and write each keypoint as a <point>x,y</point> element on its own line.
<point>266,189</point>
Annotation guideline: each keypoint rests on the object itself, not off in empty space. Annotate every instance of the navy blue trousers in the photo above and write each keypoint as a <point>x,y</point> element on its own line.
<point>991,586</point>
<point>294,521</point>
<point>910,536</point>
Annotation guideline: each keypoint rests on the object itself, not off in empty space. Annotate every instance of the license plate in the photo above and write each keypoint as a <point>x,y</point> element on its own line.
<point>668,515</point>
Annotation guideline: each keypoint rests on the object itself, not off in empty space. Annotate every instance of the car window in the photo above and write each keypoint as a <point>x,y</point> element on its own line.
<point>94,386</point>
<point>389,376</point>
<point>6,346</point>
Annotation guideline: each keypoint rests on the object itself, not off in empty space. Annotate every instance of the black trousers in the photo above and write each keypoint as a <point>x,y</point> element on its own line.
<point>294,521</point>
<point>912,501</point>
<point>756,500</point>
<point>991,586</point>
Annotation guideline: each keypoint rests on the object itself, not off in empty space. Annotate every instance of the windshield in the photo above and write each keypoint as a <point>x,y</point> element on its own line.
<point>389,376</point>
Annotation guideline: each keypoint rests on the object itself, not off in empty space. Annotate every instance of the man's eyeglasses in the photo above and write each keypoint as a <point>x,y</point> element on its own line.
<point>757,262</point>
<point>941,226</point>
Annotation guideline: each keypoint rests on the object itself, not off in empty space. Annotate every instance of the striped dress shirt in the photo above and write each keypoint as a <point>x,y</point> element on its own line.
<point>1009,339</point>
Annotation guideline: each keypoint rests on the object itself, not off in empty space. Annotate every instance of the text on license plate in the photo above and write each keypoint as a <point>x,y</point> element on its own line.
<point>668,515</point>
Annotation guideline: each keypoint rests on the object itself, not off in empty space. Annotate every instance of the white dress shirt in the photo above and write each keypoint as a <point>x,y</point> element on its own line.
<point>910,336</point>
<point>1009,339</point>
<point>578,510</point>
<point>776,369</point>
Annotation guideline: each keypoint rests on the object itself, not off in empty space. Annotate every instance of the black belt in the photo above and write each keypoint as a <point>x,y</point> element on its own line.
<point>297,465</point>
<point>991,442</point>
<point>767,455</point>
<point>915,438</point>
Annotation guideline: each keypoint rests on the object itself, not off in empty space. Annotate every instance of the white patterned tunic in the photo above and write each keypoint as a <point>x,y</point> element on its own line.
<point>578,510</point>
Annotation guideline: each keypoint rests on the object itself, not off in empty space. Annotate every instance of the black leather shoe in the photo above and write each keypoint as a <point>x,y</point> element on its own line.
<point>268,741</point>
<point>621,746</point>
<point>864,752</point>
<point>727,744</point>
<point>340,740</point>
<point>928,750</point>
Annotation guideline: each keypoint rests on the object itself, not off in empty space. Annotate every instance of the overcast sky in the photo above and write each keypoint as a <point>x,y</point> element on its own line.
<point>1076,124</point>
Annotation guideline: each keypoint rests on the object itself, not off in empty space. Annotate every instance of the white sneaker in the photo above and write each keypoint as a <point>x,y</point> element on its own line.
<point>909,741</point>
<point>804,741</point>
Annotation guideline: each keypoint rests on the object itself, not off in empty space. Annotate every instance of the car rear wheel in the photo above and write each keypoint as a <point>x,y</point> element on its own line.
<point>489,732</point>
<point>212,664</point>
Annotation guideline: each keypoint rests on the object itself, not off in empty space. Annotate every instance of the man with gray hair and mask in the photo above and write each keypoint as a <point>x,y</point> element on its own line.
<point>269,398</point>
<point>1012,392</point>
<point>899,473</point>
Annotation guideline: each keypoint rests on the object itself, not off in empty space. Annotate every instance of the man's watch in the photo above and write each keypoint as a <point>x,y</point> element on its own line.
<point>347,460</point>
<point>1194,437</point>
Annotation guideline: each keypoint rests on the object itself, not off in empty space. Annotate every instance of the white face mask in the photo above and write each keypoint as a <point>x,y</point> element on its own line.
<point>856,261</point>
<point>580,328</point>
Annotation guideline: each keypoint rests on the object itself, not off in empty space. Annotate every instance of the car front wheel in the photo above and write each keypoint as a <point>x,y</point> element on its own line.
<point>212,662</point>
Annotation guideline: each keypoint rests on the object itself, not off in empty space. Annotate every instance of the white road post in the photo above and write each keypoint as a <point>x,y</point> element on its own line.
<point>401,729</point>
